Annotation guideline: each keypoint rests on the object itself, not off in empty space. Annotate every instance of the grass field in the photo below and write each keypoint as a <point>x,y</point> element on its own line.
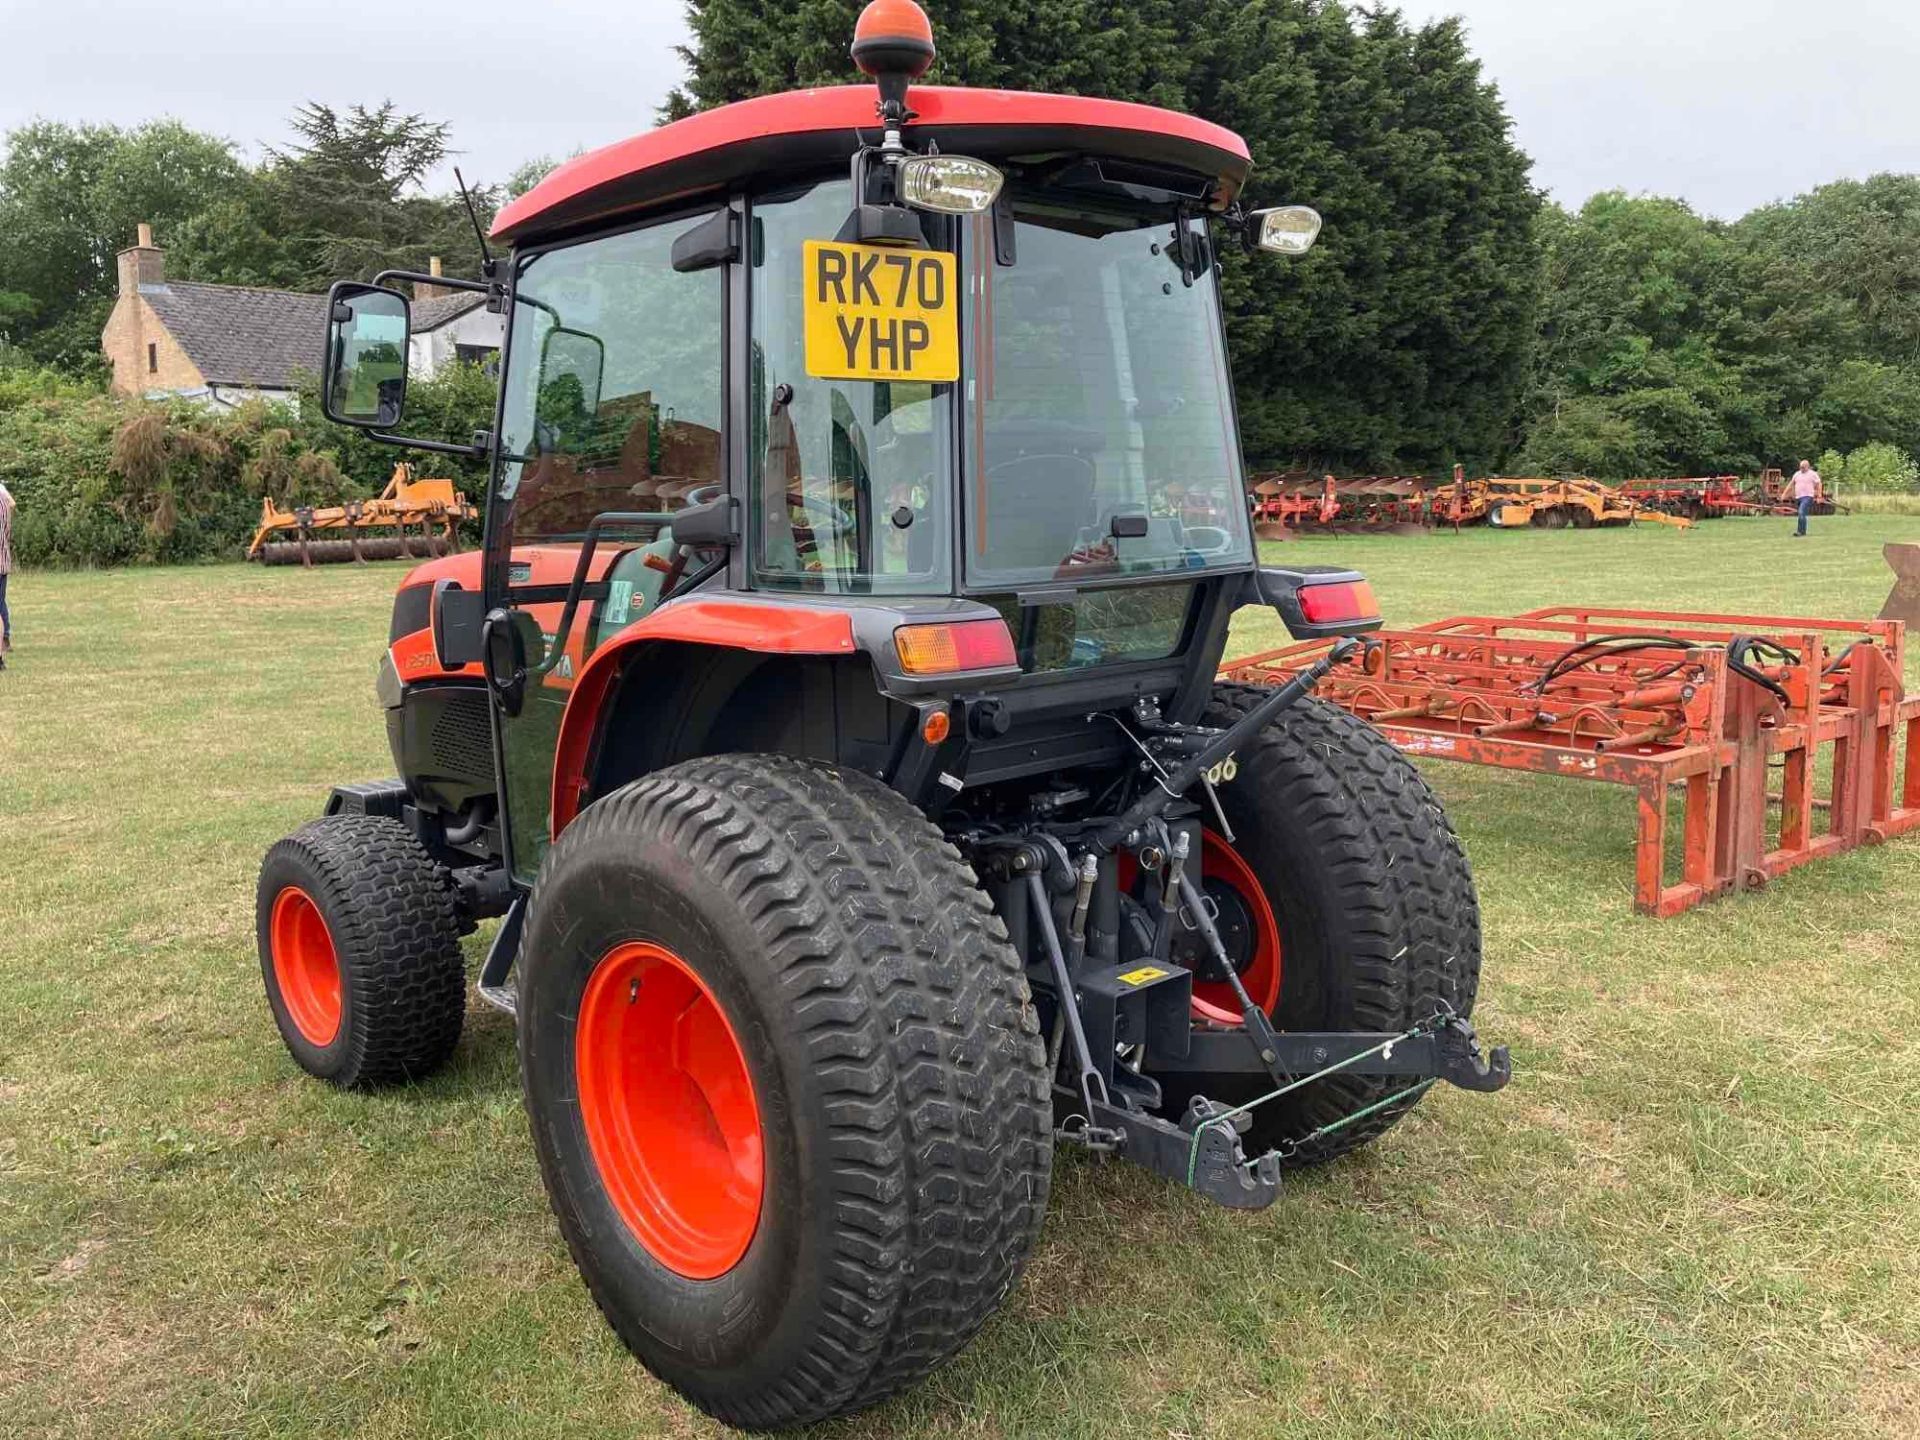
<point>1696,1211</point>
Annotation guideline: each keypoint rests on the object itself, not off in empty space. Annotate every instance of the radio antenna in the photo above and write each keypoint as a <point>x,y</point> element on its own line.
<point>479,234</point>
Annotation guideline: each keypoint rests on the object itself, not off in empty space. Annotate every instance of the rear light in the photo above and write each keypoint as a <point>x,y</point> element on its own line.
<point>949,647</point>
<point>1339,603</point>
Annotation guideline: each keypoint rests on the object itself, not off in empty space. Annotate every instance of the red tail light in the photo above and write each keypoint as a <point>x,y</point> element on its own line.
<point>952,646</point>
<point>1339,603</point>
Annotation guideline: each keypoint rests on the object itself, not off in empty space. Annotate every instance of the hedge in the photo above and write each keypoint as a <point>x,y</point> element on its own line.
<point>105,479</point>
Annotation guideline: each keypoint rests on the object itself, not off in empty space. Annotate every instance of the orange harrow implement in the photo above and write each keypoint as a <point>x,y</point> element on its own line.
<point>433,506</point>
<point>1716,705</point>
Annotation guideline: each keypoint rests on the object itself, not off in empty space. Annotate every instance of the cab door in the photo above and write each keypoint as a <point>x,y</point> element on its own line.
<point>612,404</point>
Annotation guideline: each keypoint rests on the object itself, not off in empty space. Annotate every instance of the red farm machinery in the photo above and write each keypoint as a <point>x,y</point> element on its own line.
<point>1712,497</point>
<point>1286,506</point>
<point>830,719</point>
<point>1788,739</point>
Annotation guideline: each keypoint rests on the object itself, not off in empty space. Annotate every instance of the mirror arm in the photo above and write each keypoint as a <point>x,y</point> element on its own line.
<point>445,282</point>
<point>439,447</point>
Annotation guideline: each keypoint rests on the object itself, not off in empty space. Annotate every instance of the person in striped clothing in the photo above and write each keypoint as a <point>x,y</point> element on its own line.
<point>6,568</point>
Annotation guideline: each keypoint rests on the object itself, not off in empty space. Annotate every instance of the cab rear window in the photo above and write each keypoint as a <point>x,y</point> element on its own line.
<point>1101,627</point>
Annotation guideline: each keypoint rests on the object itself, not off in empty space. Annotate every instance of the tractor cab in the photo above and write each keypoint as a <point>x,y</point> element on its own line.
<point>931,394</point>
<point>832,719</point>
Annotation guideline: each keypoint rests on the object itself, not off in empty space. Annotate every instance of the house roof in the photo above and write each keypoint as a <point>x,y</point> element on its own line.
<point>432,314</point>
<point>237,335</point>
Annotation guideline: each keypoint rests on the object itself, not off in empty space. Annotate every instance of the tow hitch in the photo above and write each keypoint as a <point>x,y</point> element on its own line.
<point>1204,1151</point>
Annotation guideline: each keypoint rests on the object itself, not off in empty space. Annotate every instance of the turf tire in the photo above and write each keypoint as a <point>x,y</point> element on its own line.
<point>391,920</point>
<point>893,1049</point>
<point>1375,903</point>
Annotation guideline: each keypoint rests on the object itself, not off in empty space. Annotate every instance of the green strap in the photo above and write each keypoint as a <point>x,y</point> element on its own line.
<point>1193,1150</point>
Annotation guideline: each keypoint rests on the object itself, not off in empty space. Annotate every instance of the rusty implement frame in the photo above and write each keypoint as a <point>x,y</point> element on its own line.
<point>361,530</point>
<point>1715,706</point>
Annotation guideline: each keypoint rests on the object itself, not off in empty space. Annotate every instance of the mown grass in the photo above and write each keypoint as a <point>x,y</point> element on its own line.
<point>1693,1212</point>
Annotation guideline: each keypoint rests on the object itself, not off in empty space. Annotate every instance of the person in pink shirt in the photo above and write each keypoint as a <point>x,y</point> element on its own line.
<point>1807,488</point>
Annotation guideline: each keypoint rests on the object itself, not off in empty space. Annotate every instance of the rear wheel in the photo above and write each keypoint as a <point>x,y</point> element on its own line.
<point>1343,849</point>
<point>785,1082</point>
<point>360,951</point>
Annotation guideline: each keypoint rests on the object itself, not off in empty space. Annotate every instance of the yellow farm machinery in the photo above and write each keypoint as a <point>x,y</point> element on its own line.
<point>410,519</point>
<point>1508,504</point>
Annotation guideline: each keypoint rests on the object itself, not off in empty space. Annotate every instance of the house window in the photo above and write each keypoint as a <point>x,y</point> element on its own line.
<point>487,357</point>
<point>153,359</point>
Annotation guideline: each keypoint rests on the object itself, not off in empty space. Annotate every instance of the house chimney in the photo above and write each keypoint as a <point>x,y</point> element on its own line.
<point>143,263</point>
<point>424,291</point>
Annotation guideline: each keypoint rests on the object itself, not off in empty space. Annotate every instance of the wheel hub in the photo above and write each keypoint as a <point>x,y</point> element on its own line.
<point>305,966</point>
<point>669,1110</point>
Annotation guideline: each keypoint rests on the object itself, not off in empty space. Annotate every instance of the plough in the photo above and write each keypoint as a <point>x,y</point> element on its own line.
<point>1717,705</point>
<point>433,506</point>
<point>1286,505</point>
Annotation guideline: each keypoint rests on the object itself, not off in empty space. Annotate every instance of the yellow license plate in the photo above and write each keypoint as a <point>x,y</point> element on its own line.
<point>878,313</point>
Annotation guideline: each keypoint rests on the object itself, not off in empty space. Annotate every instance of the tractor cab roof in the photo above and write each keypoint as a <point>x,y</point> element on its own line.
<point>799,131</point>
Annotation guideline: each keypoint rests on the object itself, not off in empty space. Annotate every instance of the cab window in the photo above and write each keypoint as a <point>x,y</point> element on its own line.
<point>613,389</point>
<point>849,478</point>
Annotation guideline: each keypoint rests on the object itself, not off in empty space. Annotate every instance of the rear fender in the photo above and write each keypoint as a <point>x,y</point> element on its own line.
<point>715,626</point>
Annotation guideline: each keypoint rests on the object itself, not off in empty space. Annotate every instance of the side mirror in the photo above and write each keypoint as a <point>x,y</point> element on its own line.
<point>363,381</point>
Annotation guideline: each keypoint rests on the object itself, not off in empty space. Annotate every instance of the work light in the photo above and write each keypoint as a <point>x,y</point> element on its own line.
<point>1288,230</point>
<point>951,184</point>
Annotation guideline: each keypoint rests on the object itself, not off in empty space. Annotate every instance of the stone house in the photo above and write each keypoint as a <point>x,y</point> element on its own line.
<point>222,344</point>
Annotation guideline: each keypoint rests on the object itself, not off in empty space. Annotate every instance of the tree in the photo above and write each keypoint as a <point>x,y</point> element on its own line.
<point>1643,324</point>
<point>1403,339</point>
<point>1730,347</point>
<point>345,199</point>
<point>70,199</point>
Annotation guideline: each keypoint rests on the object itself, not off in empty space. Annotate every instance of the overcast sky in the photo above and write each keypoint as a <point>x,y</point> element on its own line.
<point>1729,103</point>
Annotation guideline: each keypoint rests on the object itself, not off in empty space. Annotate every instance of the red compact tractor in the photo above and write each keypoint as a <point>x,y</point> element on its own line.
<point>830,715</point>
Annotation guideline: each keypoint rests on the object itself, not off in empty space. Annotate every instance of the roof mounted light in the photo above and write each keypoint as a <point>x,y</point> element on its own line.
<point>893,42</point>
<point>1288,230</point>
<point>951,184</point>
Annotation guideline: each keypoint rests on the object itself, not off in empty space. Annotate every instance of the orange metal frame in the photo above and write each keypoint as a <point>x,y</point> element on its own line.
<point>1482,689</point>
<point>433,505</point>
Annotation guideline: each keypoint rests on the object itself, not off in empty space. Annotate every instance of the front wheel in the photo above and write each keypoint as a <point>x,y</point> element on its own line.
<point>785,1081</point>
<point>1344,857</point>
<point>360,951</point>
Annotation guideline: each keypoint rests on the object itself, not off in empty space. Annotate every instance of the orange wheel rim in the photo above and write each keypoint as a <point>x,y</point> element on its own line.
<point>669,1110</point>
<point>1214,1000</point>
<point>305,966</point>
